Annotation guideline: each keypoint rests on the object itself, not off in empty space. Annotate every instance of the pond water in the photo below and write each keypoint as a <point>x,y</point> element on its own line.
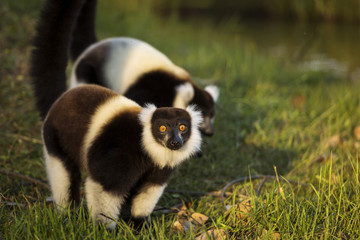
<point>321,46</point>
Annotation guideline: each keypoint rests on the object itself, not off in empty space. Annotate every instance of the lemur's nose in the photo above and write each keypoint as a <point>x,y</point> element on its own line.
<point>174,143</point>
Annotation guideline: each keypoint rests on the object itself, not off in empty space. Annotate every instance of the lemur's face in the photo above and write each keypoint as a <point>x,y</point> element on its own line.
<point>171,127</point>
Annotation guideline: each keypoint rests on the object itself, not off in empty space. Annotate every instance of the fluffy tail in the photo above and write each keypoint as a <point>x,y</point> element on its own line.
<point>84,32</point>
<point>52,42</point>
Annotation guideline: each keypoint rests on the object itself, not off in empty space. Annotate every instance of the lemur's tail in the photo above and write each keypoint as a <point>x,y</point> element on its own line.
<point>52,42</point>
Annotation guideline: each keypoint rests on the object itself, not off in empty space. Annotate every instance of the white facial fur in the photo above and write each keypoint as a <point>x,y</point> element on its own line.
<point>144,203</point>
<point>104,206</point>
<point>103,114</point>
<point>213,91</point>
<point>161,155</point>
<point>59,180</point>
<point>184,94</point>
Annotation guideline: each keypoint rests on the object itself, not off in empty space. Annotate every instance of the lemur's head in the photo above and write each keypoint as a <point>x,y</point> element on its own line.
<point>204,99</point>
<point>170,135</point>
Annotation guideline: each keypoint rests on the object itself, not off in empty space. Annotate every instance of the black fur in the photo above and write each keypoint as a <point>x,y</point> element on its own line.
<point>53,40</point>
<point>86,68</point>
<point>79,107</point>
<point>172,120</point>
<point>56,148</point>
<point>115,158</point>
<point>84,33</point>
<point>162,94</point>
<point>63,138</point>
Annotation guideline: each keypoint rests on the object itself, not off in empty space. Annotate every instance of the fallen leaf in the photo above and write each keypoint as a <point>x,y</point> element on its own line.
<point>273,235</point>
<point>215,234</point>
<point>199,218</point>
<point>298,101</point>
<point>195,220</point>
<point>322,158</point>
<point>241,209</point>
<point>357,132</point>
<point>218,193</point>
<point>276,236</point>
<point>333,141</point>
<point>178,227</point>
<point>182,225</point>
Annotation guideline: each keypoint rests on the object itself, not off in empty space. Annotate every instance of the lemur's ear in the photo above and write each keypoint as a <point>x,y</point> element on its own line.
<point>213,91</point>
<point>195,114</point>
<point>184,94</point>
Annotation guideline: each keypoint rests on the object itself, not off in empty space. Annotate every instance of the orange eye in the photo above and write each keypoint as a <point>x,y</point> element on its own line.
<point>182,127</point>
<point>162,128</point>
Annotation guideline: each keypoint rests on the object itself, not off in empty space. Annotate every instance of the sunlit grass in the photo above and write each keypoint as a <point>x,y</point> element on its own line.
<point>270,113</point>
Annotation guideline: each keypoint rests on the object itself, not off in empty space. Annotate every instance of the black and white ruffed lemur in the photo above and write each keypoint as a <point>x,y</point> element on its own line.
<point>127,151</point>
<point>128,66</point>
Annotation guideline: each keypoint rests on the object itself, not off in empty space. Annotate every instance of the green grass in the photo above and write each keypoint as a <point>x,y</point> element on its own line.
<point>269,114</point>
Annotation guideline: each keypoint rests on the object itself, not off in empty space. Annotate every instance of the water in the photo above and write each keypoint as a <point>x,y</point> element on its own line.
<point>323,46</point>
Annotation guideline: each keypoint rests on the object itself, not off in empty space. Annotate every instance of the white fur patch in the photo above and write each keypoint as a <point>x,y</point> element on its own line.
<point>102,116</point>
<point>129,58</point>
<point>104,206</point>
<point>59,180</point>
<point>213,91</point>
<point>161,155</point>
<point>184,94</point>
<point>135,60</point>
<point>144,203</point>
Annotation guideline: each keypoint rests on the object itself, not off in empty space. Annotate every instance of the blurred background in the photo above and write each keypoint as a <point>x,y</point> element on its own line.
<point>320,35</point>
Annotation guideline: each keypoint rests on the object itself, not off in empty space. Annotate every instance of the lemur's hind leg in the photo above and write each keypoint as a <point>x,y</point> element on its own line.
<point>64,181</point>
<point>104,206</point>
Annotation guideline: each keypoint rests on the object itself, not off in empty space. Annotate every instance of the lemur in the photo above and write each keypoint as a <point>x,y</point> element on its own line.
<point>128,66</point>
<point>127,151</point>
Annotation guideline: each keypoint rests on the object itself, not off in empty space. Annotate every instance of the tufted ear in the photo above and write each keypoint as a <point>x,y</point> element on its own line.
<point>146,114</point>
<point>184,94</point>
<point>195,114</point>
<point>213,91</point>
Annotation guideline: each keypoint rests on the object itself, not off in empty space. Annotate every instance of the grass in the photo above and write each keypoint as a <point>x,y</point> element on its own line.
<point>270,113</point>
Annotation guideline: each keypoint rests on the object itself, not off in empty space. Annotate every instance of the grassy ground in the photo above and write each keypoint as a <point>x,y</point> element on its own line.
<point>269,114</point>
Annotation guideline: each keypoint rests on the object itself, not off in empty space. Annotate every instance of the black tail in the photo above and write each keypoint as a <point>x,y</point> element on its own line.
<point>84,33</point>
<point>52,42</point>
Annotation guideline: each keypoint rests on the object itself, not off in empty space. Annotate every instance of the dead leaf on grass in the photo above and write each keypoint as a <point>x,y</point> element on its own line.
<point>215,234</point>
<point>334,140</point>
<point>242,209</point>
<point>273,235</point>
<point>178,227</point>
<point>186,221</point>
<point>218,193</point>
<point>298,101</point>
<point>357,132</point>
<point>199,218</point>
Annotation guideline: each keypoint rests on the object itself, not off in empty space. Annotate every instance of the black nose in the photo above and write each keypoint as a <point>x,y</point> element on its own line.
<point>174,144</point>
<point>207,133</point>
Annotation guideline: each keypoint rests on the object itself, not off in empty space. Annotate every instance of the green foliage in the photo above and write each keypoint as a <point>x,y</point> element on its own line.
<point>305,10</point>
<point>270,113</point>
